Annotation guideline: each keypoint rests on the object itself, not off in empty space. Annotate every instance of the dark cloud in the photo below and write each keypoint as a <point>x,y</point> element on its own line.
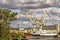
<point>9,6</point>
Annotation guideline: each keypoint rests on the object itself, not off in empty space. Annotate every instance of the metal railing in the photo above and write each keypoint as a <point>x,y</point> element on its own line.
<point>42,39</point>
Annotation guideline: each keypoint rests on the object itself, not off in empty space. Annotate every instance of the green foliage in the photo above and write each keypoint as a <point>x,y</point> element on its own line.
<point>16,35</point>
<point>6,16</point>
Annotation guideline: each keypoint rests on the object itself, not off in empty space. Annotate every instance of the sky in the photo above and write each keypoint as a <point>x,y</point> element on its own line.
<point>36,6</point>
<point>29,3</point>
<point>16,10</point>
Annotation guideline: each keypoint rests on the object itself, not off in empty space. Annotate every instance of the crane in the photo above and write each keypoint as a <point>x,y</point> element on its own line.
<point>38,20</point>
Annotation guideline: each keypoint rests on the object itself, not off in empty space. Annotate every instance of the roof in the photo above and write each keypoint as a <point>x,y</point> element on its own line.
<point>21,24</point>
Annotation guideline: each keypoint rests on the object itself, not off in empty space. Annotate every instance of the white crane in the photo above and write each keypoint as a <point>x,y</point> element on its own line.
<point>38,22</point>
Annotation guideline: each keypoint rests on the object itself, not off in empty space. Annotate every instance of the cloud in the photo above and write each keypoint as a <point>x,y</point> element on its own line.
<point>34,4</point>
<point>29,3</point>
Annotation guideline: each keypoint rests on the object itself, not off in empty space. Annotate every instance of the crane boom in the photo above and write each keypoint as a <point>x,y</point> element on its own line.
<point>46,12</point>
<point>30,18</point>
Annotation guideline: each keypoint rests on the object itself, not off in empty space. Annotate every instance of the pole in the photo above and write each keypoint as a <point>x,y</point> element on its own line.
<point>18,31</point>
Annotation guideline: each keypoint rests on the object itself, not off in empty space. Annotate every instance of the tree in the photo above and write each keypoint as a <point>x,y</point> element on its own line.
<point>15,35</point>
<point>6,17</point>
